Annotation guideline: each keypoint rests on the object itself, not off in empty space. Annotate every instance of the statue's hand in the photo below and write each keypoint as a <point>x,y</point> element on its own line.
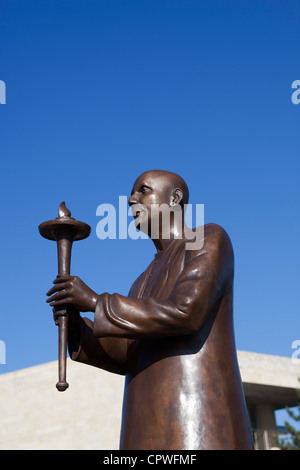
<point>71,290</point>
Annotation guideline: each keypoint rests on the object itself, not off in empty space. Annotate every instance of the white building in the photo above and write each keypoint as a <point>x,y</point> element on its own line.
<point>34,415</point>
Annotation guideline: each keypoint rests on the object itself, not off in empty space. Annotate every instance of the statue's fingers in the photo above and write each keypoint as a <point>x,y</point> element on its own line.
<point>59,295</point>
<point>62,278</point>
<point>59,311</point>
<point>57,288</point>
<point>65,301</point>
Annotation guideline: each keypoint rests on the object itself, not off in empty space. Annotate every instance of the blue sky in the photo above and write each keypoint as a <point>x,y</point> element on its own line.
<point>98,92</point>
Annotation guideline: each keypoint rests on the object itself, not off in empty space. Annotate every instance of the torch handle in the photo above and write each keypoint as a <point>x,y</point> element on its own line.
<point>64,246</point>
<point>62,321</point>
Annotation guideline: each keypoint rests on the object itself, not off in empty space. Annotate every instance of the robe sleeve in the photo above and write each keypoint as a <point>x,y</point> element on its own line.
<point>206,275</point>
<point>106,353</point>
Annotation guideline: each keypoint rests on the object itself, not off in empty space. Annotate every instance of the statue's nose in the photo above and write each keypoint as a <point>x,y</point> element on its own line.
<point>133,200</point>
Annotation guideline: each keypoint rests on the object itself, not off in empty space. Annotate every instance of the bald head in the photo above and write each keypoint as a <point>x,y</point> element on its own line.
<point>167,179</point>
<point>155,195</point>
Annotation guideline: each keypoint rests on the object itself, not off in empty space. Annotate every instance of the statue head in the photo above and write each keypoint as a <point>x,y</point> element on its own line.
<point>157,196</point>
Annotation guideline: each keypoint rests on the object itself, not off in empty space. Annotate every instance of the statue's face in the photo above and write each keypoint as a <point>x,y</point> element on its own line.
<point>150,188</point>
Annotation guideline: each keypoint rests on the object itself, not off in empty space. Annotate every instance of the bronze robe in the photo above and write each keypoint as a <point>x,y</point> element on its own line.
<point>173,338</point>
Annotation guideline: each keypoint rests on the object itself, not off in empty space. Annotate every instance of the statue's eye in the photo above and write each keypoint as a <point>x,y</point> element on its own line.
<point>144,189</point>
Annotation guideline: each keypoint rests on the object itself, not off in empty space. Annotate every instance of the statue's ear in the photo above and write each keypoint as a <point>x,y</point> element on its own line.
<point>177,196</point>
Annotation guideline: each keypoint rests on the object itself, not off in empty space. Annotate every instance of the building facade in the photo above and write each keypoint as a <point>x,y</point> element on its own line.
<point>34,415</point>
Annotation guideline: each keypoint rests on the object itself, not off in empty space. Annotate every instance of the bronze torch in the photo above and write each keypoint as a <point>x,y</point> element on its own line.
<point>64,230</point>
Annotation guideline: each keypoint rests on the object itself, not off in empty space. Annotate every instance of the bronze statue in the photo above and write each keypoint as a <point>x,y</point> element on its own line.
<point>172,337</point>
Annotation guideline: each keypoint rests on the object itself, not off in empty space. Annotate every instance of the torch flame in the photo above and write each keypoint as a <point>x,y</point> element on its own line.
<point>63,211</point>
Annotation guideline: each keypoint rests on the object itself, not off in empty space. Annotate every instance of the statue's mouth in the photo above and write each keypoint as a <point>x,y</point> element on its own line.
<point>138,210</point>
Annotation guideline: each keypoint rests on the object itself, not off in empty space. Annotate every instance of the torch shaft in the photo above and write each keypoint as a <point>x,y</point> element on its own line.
<point>64,247</point>
<point>62,321</point>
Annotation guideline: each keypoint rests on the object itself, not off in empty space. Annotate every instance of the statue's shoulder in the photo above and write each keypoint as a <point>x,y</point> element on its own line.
<point>215,238</point>
<point>212,230</point>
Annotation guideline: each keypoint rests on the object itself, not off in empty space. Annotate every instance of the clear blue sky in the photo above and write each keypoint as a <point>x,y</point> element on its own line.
<point>98,92</point>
